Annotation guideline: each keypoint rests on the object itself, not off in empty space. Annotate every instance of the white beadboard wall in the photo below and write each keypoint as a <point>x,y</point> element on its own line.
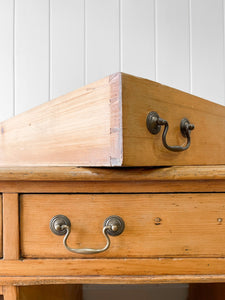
<point>50,47</point>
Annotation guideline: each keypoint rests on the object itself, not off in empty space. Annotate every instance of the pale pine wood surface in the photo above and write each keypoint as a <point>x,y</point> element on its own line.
<point>184,220</point>
<point>73,129</point>
<point>1,227</point>
<point>141,148</point>
<point>104,124</point>
<point>11,226</point>
<point>11,293</point>
<point>112,187</point>
<point>173,174</point>
<point>81,268</point>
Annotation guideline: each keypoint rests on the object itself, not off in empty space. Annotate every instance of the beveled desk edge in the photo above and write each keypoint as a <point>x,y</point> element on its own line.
<point>214,172</point>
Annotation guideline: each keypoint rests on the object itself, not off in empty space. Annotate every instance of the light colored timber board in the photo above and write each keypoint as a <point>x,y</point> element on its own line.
<point>10,226</point>
<point>80,128</point>
<point>1,233</point>
<point>141,148</point>
<point>11,293</point>
<point>134,279</point>
<point>112,267</point>
<point>175,173</point>
<point>104,124</point>
<point>184,220</point>
<point>112,187</point>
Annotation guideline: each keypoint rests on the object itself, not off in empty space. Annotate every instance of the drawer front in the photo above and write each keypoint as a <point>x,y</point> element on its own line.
<point>156,225</point>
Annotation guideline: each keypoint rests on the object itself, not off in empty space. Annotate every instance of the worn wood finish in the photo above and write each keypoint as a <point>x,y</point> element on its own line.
<point>141,148</point>
<point>113,187</point>
<point>175,173</point>
<point>104,124</point>
<point>80,128</point>
<point>11,293</point>
<point>124,279</point>
<point>113,267</point>
<point>11,226</point>
<point>1,233</point>
<point>156,225</point>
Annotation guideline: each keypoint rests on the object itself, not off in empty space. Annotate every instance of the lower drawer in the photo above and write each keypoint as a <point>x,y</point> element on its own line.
<point>156,225</point>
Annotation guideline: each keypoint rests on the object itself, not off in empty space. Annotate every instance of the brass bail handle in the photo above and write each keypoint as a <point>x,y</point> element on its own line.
<point>113,225</point>
<point>154,123</point>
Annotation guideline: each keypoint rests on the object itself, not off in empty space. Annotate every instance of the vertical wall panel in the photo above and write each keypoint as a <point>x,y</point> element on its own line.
<point>31,53</point>
<point>138,37</point>
<point>208,49</point>
<point>172,28</point>
<point>67,46</point>
<point>6,59</point>
<point>102,38</point>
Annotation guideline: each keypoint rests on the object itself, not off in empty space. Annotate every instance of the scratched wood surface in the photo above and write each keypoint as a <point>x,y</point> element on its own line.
<point>104,124</point>
<point>155,225</point>
<point>172,174</point>
<point>141,96</point>
<point>80,128</point>
<point>1,228</point>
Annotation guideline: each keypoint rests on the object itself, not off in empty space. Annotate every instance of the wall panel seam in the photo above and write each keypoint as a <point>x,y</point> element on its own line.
<point>49,53</point>
<point>14,59</point>
<point>155,39</point>
<point>190,46</point>
<point>120,36</point>
<point>223,7</point>
<point>85,44</point>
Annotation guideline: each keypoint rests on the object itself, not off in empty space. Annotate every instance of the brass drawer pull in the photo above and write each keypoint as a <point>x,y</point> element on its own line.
<point>154,123</point>
<point>113,225</point>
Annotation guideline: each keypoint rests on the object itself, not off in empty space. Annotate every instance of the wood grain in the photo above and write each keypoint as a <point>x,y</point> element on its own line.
<point>74,129</point>
<point>10,226</point>
<point>141,96</point>
<point>1,233</point>
<point>11,293</point>
<point>156,225</point>
<point>175,173</point>
<point>102,279</point>
<point>112,187</point>
<point>104,124</point>
<point>113,267</point>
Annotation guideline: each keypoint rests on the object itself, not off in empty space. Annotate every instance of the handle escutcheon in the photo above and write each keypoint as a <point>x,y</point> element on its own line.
<point>154,123</point>
<point>113,225</point>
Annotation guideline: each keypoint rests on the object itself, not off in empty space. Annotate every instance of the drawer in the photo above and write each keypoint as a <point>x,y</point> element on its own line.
<point>156,225</point>
<point>105,124</point>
